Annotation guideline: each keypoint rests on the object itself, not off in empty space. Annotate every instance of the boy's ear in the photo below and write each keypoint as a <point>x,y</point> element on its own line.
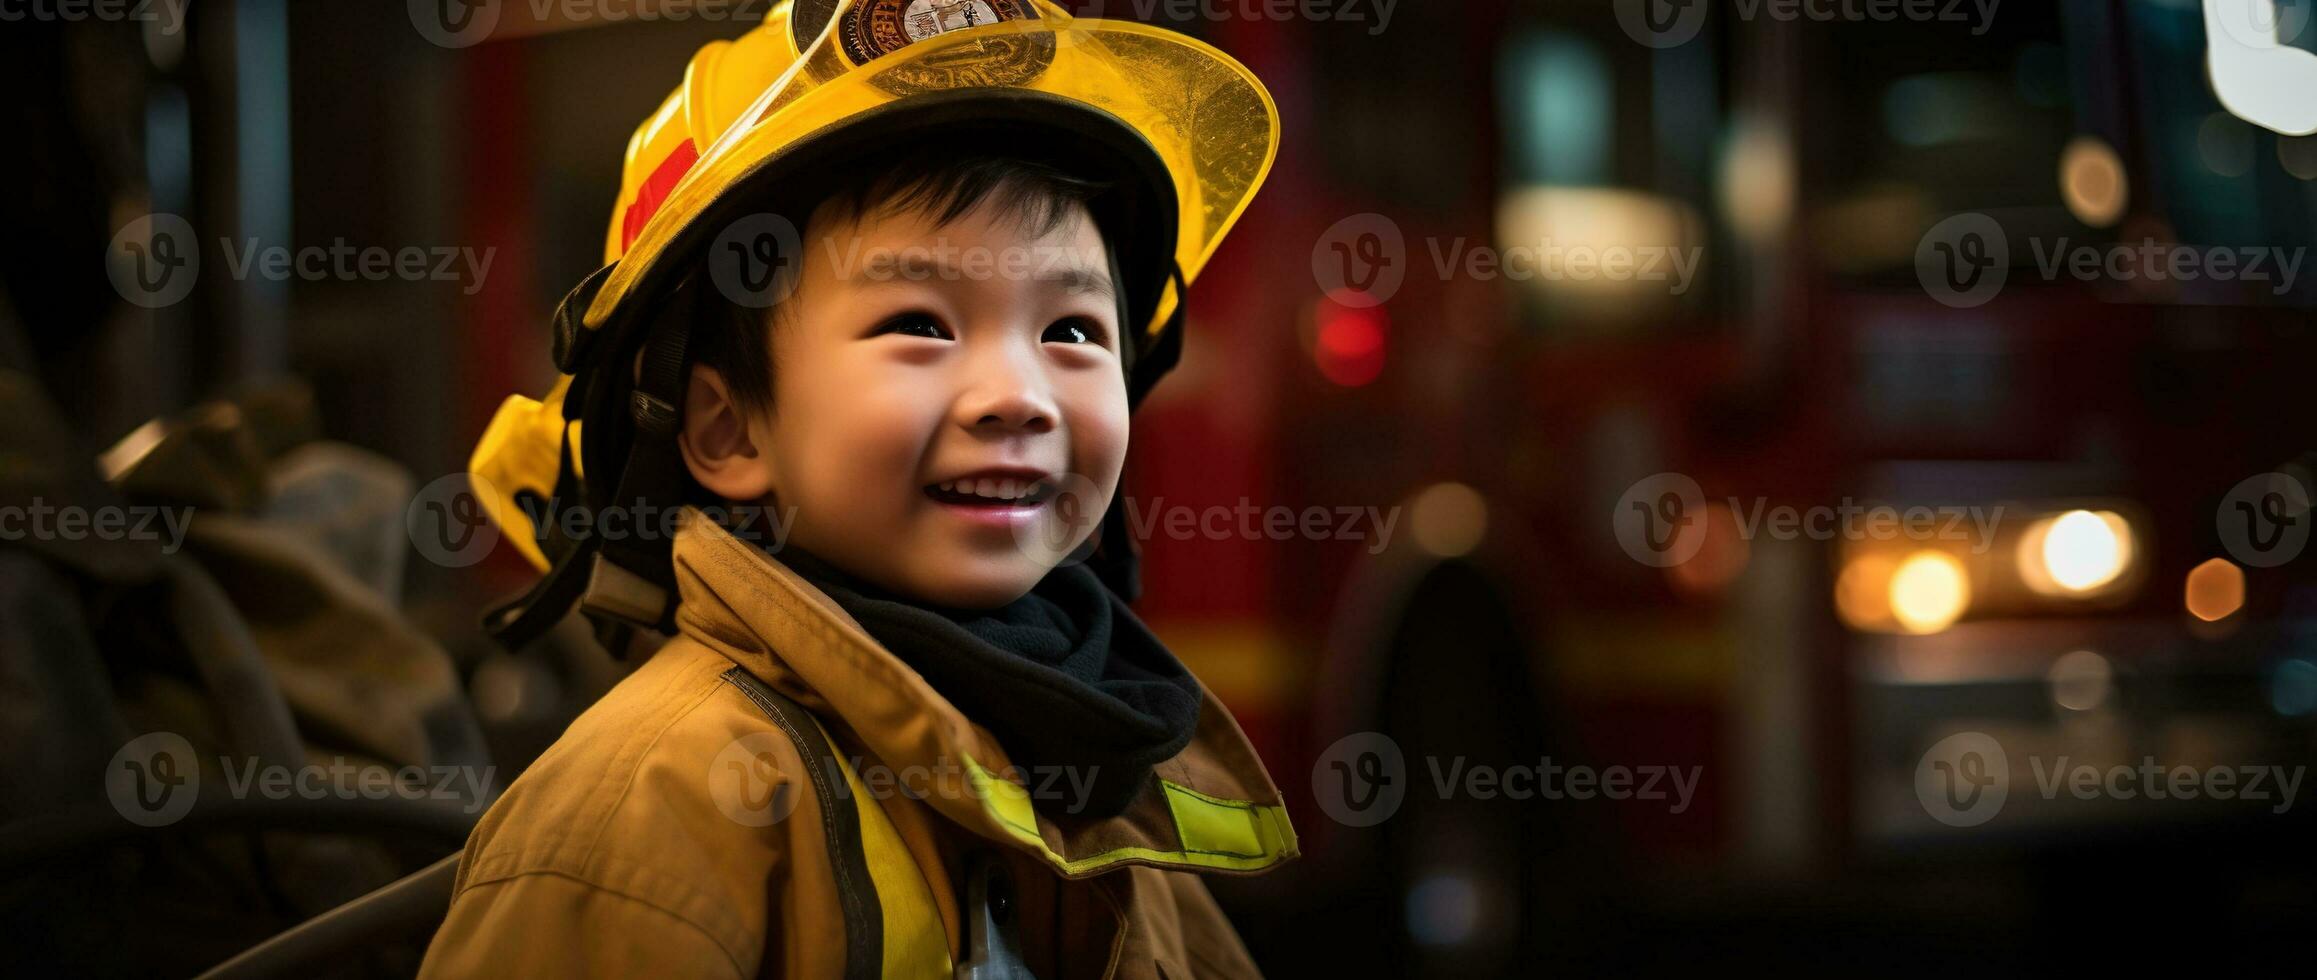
<point>718,443</point>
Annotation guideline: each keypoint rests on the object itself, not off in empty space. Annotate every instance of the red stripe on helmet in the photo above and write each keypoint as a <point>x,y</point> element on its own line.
<point>654,191</point>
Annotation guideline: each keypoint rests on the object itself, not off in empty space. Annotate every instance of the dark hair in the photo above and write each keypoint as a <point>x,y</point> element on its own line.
<point>939,181</point>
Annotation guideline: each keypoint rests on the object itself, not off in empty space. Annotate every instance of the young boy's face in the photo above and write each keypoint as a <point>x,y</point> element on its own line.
<point>912,355</point>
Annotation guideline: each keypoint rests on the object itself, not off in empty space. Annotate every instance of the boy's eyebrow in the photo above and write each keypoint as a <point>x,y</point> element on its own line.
<point>1080,279</point>
<point>911,267</point>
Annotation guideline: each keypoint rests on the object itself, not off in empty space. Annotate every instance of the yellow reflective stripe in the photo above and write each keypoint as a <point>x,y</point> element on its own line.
<point>1214,826</point>
<point>1216,833</point>
<point>915,943</point>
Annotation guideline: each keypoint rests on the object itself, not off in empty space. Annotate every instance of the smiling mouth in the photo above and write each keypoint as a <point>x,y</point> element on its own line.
<point>992,493</point>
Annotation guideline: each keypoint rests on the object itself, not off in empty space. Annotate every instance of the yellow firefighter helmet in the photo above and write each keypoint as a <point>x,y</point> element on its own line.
<point>1186,132</point>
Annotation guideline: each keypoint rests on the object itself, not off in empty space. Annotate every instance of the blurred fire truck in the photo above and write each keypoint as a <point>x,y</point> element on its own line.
<point>2073,444</point>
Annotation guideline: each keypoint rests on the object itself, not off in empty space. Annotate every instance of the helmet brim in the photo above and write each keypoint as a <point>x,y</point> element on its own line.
<point>1134,91</point>
<point>1137,211</point>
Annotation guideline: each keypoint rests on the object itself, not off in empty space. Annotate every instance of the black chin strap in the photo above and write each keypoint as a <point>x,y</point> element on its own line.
<point>631,583</point>
<point>619,572</point>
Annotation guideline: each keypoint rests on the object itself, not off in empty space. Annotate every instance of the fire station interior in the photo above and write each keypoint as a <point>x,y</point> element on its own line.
<point>1833,587</point>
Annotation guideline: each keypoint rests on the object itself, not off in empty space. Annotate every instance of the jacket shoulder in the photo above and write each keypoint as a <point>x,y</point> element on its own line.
<point>652,795</point>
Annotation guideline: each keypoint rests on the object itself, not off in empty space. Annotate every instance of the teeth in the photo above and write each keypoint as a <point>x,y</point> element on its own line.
<point>996,488</point>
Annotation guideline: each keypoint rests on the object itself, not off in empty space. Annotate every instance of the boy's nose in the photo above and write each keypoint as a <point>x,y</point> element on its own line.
<point>1009,391</point>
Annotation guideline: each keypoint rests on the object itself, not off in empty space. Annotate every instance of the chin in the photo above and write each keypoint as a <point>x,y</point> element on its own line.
<point>978,589</point>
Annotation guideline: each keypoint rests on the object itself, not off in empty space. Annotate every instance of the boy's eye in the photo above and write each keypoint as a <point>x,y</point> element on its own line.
<point>1074,330</point>
<point>915,324</point>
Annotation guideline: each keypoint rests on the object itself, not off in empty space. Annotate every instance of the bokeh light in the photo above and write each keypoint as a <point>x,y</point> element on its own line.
<point>1349,349</point>
<point>2093,182</point>
<point>1929,592</point>
<point>2298,155</point>
<point>2215,591</point>
<point>2080,680</point>
<point>1719,558</point>
<point>1448,520</point>
<point>2293,688</point>
<point>2080,552</point>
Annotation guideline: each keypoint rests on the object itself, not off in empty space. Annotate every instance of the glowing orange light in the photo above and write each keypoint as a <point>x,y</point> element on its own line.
<point>2216,590</point>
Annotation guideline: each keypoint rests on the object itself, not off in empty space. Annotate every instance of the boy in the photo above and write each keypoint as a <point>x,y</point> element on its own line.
<point>908,732</point>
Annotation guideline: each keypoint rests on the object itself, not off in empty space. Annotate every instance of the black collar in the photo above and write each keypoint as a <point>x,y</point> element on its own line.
<point>1065,676</point>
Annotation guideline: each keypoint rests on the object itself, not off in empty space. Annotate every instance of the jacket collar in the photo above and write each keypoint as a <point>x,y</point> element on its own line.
<point>1211,807</point>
